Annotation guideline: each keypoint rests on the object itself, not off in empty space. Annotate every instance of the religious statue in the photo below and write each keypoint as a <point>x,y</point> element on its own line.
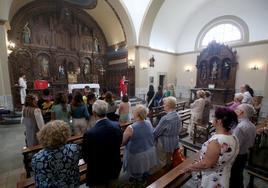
<point>61,71</point>
<point>26,34</point>
<point>226,70</point>
<point>44,62</point>
<point>96,45</point>
<point>203,74</point>
<point>214,70</point>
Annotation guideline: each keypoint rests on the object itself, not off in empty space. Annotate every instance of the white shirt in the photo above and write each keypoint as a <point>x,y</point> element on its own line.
<point>22,83</point>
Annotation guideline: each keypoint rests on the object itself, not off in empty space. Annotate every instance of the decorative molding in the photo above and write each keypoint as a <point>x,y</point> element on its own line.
<point>155,50</point>
<point>87,4</point>
<point>234,20</point>
<point>255,43</point>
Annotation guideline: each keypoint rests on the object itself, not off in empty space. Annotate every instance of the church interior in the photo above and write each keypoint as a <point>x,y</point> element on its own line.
<point>184,46</point>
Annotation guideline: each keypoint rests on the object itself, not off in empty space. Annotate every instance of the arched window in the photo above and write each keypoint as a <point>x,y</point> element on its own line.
<point>225,29</point>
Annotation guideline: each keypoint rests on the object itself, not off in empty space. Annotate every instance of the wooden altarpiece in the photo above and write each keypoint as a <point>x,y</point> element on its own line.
<point>57,42</point>
<point>216,72</point>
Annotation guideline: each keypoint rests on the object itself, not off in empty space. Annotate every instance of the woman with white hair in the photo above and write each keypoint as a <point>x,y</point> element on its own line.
<point>140,153</point>
<point>197,108</point>
<point>167,131</point>
<point>237,101</point>
<point>245,131</point>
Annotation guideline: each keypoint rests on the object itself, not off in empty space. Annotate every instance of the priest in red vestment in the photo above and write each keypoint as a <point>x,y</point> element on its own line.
<point>123,86</point>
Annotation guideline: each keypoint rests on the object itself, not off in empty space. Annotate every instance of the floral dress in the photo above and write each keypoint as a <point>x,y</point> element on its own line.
<point>219,175</point>
<point>57,168</point>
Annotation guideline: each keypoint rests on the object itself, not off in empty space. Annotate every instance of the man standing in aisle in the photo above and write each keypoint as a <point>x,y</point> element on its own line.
<point>245,131</point>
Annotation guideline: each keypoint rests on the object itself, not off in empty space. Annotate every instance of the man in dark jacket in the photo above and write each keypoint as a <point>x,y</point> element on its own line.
<point>101,149</point>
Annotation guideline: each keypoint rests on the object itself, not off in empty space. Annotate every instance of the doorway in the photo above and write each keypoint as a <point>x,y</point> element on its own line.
<point>162,80</point>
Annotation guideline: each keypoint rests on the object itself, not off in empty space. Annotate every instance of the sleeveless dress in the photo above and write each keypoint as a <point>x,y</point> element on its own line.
<point>219,175</point>
<point>140,152</point>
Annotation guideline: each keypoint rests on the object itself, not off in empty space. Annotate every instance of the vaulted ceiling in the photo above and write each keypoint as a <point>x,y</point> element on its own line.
<point>170,25</point>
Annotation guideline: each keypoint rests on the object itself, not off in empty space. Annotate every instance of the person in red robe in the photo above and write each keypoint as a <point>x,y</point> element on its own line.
<point>123,86</point>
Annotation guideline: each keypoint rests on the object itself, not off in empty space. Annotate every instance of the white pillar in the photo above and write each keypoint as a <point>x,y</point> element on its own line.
<point>5,89</point>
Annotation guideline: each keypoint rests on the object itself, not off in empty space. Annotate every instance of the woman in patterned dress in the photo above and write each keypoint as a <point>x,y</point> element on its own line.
<point>57,164</point>
<point>218,153</point>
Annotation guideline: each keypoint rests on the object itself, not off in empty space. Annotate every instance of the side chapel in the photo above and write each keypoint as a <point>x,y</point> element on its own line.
<point>216,71</point>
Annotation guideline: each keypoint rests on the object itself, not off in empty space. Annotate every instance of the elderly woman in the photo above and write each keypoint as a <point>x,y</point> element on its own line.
<point>197,110</point>
<point>166,132</point>
<point>218,153</point>
<point>32,119</point>
<point>237,101</point>
<point>140,153</point>
<point>246,133</point>
<point>57,164</point>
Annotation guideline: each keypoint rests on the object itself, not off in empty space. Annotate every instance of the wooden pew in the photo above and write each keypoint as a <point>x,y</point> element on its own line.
<point>185,116</point>
<point>258,170</point>
<point>28,153</point>
<point>174,178</point>
<point>27,181</point>
<point>159,110</point>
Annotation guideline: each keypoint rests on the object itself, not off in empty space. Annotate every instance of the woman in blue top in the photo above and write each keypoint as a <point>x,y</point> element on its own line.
<point>57,164</point>
<point>80,115</point>
<point>140,153</point>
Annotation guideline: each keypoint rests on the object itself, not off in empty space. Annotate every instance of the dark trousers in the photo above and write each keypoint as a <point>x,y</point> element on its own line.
<point>236,179</point>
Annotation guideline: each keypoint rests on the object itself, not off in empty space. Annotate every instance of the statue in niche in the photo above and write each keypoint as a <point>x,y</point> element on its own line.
<point>26,34</point>
<point>203,71</point>
<point>61,71</point>
<point>226,70</point>
<point>214,70</point>
<point>96,45</point>
<point>86,69</point>
<point>44,62</point>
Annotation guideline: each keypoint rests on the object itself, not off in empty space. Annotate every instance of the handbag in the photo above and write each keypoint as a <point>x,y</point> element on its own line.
<point>177,157</point>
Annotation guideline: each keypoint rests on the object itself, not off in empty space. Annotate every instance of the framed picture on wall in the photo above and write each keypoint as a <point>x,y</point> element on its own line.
<point>151,79</point>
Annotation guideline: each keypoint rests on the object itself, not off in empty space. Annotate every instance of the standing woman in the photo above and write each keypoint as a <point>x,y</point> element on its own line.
<point>60,110</point>
<point>159,96</point>
<point>32,119</point>
<point>140,153</point>
<point>124,110</point>
<point>166,133</point>
<point>56,165</point>
<point>150,96</point>
<point>111,107</point>
<point>218,153</point>
<point>197,109</point>
<point>80,115</point>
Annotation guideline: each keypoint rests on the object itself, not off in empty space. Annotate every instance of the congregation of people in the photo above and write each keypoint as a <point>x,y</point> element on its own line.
<point>50,121</point>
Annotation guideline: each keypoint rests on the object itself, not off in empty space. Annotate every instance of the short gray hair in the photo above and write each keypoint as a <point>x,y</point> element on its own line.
<point>171,102</point>
<point>100,107</point>
<point>248,109</point>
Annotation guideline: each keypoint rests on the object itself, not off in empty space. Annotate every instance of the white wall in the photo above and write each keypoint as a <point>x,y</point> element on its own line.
<point>248,56</point>
<point>164,64</point>
<point>254,13</point>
